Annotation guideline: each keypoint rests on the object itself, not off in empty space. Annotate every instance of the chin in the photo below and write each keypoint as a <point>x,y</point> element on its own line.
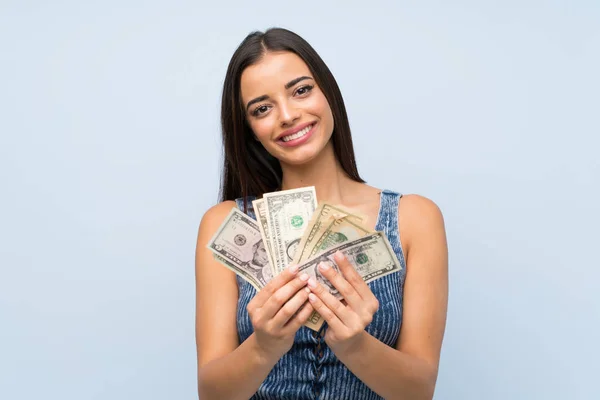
<point>304,157</point>
<point>301,155</point>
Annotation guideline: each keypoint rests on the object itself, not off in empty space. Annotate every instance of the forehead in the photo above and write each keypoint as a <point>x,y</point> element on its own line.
<point>271,73</point>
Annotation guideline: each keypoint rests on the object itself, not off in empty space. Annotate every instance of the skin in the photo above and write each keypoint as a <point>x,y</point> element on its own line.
<point>228,369</point>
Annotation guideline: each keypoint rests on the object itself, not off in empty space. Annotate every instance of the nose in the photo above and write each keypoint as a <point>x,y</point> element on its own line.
<point>288,114</point>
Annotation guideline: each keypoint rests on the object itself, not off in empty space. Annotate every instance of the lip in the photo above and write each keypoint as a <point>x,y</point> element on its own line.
<point>291,131</point>
<point>300,140</point>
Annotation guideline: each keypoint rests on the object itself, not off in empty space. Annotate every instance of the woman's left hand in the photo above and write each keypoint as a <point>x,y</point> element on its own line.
<point>347,320</point>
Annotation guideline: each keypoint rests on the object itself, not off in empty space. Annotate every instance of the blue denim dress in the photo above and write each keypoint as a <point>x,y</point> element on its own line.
<point>310,370</point>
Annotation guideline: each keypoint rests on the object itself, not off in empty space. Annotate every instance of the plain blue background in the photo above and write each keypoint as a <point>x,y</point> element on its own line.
<point>109,156</point>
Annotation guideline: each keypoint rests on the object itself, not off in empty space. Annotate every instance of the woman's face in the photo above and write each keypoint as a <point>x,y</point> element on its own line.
<point>285,108</point>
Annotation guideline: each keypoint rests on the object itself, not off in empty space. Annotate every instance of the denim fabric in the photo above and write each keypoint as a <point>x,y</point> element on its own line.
<point>310,370</point>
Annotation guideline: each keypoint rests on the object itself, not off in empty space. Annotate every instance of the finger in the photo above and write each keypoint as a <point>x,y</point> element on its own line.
<point>329,316</point>
<point>273,285</point>
<point>287,311</point>
<point>329,301</point>
<point>347,291</point>
<point>283,295</point>
<point>299,319</point>
<point>351,276</point>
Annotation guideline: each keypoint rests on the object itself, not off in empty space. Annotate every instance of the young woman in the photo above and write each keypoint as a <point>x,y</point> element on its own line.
<point>285,126</point>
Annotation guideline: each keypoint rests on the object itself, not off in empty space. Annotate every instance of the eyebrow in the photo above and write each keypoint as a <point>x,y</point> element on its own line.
<point>287,86</point>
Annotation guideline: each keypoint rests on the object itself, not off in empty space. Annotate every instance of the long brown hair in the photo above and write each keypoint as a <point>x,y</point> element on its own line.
<point>248,169</point>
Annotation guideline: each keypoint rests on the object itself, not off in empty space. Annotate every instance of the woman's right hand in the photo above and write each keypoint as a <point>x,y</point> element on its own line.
<point>278,310</point>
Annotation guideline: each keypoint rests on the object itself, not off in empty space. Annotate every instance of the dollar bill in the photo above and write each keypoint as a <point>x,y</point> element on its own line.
<point>248,277</point>
<point>288,213</point>
<point>240,247</point>
<point>338,231</point>
<point>330,225</point>
<point>263,226</point>
<point>371,256</point>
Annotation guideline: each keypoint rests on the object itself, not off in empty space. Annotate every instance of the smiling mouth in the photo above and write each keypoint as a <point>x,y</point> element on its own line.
<point>297,135</point>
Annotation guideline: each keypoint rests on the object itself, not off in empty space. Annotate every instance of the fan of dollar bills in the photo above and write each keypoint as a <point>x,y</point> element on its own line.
<point>291,227</point>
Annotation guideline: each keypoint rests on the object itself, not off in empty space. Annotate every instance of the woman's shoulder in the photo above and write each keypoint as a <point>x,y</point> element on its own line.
<point>416,203</point>
<point>419,216</point>
<point>214,216</point>
<point>411,206</point>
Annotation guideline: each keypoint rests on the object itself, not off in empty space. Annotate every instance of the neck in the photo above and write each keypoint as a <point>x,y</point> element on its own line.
<point>324,173</point>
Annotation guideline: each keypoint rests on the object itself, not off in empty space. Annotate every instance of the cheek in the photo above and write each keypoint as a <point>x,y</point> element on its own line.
<point>262,129</point>
<point>322,108</point>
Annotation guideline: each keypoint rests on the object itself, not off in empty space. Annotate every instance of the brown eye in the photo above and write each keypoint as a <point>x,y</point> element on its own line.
<point>260,110</point>
<point>304,90</point>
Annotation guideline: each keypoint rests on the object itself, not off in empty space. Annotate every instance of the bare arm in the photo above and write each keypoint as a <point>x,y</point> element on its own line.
<point>410,371</point>
<point>236,375</point>
<point>226,369</point>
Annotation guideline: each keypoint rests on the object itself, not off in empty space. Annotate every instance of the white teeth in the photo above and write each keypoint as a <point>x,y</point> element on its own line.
<point>297,134</point>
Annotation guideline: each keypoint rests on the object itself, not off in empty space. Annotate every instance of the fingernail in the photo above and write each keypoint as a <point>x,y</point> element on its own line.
<point>293,269</point>
<point>304,276</point>
<point>312,297</point>
<point>323,267</point>
<point>312,282</point>
<point>338,256</point>
<point>307,290</point>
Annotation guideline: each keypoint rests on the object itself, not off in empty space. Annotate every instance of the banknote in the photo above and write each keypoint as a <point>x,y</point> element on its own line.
<point>330,225</point>
<point>261,218</point>
<point>338,231</point>
<point>371,256</point>
<point>247,277</point>
<point>288,213</point>
<point>240,247</point>
<point>323,216</point>
<point>293,221</point>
